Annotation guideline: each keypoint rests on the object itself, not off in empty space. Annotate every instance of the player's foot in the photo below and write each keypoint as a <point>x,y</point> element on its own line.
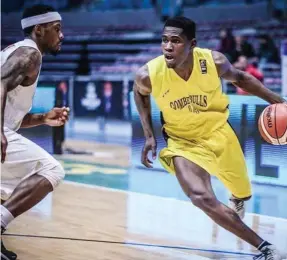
<point>269,252</point>
<point>6,254</point>
<point>238,206</point>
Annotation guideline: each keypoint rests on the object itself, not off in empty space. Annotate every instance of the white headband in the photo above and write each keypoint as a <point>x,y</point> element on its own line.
<point>40,19</point>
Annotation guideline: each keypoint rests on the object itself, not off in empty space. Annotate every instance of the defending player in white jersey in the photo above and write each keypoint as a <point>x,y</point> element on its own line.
<point>28,172</point>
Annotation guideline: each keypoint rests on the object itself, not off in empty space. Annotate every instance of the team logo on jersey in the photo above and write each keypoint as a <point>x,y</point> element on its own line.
<point>203,66</point>
<point>199,100</point>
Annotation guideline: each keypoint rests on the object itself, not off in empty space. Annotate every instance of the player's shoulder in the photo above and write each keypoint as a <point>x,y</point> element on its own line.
<point>142,81</point>
<point>202,52</point>
<point>149,70</point>
<point>28,52</point>
<point>26,56</point>
<point>25,46</point>
<point>142,75</point>
<point>156,66</point>
<point>153,64</point>
<point>157,62</point>
<point>218,57</point>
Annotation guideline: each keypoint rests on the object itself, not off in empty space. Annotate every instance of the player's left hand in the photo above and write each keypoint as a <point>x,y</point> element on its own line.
<point>57,116</point>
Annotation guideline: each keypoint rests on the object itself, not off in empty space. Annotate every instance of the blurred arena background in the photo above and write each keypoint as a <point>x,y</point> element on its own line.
<point>106,41</point>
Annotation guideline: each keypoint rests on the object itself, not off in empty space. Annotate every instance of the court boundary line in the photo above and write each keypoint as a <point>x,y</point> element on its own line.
<point>150,195</point>
<point>132,244</point>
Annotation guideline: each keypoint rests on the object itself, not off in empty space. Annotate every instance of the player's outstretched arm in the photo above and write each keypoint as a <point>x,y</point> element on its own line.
<point>142,89</point>
<point>244,80</point>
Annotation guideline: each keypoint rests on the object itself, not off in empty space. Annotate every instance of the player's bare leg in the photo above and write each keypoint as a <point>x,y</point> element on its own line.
<point>196,184</point>
<point>27,194</point>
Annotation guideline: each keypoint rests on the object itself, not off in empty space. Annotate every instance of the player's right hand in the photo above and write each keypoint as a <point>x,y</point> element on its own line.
<point>4,145</point>
<point>150,145</point>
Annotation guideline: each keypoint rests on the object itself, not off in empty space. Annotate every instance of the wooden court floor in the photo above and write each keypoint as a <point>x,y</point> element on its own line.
<point>85,221</point>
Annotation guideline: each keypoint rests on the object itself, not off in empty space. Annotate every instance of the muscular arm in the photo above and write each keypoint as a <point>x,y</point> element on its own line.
<point>142,90</point>
<point>21,64</point>
<point>244,80</point>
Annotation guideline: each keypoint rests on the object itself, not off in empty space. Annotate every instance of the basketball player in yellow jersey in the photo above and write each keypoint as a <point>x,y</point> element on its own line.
<point>185,83</point>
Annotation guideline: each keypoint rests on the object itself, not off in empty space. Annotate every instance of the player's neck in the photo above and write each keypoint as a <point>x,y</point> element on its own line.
<point>185,70</point>
<point>32,38</point>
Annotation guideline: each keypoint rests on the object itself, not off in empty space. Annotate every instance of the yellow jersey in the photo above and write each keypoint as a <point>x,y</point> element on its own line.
<point>194,108</point>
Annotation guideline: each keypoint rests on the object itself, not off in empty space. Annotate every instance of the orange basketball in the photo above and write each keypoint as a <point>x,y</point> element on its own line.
<point>272,124</point>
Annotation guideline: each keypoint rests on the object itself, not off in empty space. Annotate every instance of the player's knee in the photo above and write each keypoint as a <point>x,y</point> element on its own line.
<point>54,175</point>
<point>204,201</point>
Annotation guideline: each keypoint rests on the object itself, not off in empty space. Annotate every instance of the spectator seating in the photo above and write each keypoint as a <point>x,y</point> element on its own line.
<point>124,49</point>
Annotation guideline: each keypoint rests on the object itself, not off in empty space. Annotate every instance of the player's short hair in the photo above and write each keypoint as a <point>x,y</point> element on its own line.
<point>35,10</point>
<point>187,25</point>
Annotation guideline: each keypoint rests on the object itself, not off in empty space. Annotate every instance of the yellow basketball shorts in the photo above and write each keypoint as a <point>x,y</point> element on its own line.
<point>220,154</point>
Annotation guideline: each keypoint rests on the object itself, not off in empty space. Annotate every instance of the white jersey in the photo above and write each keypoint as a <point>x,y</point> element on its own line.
<point>23,157</point>
<point>19,100</point>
